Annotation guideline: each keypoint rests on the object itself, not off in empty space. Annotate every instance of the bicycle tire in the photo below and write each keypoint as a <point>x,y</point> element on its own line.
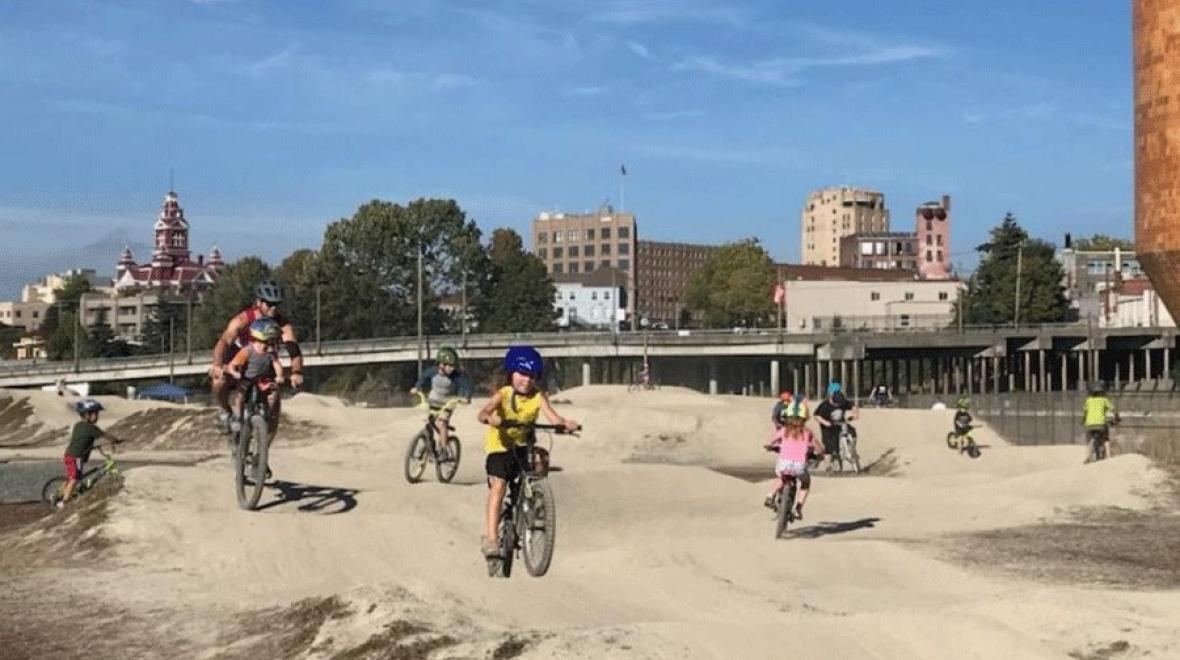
<point>448,467</point>
<point>972,448</point>
<point>952,440</point>
<point>51,492</point>
<point>241,453</point>
<point>415,463</point>
<point>507,538</point>
<point>543,510</point>
<point>786,499</point>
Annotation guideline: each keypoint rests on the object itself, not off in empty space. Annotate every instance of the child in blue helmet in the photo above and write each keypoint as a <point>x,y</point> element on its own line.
<point>521,402</point>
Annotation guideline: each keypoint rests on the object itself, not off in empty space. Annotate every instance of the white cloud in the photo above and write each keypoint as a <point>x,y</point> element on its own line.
<point>783,70</point>
<point>640,50</point>
<point>271,62</point>
<point>586,90</point>
<point>673,115</point>
<point>632,12</point>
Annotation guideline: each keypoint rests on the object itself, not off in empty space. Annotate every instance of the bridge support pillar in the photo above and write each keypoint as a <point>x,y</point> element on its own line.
<point>713,377</point>
<point>1167,369</point>
<point>1064,387</point>
<point>1042,376</point>
<point>794,377</point>
<point>970,376</point>
<point>807,379</point>
<point>1147,372</point>
<point>585,373</point>
<point>856,382</point>
<point>774,378</point>
<point>1118,375</point>
<point>1027,371</point>
<point>1131,369</point>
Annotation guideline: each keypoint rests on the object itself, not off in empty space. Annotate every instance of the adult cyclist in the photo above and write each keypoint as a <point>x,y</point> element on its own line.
<point>268,295</point>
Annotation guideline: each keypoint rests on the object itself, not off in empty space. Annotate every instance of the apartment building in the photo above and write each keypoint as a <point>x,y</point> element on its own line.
<point>830,214</point>
<point>580,243</point>
<point>881,250</point>
<point>663,272</point>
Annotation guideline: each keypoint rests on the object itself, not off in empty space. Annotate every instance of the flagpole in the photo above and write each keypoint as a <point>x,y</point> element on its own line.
<point>622,188</point>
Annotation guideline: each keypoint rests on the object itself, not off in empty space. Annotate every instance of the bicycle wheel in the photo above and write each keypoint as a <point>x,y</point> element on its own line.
<point>507,537</point>
<point>416,456</point>
<point>853,457</point>
<point>952,440</point>
<point>972,448</point>
<point>242,451</point>
<point>51,492</point>
<point>539,528</point>
<point>253,456</point>
<point>786,499</point>
<point>446,466</point>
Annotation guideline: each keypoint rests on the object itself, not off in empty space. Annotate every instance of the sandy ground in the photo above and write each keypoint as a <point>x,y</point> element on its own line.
<point>661,551</point>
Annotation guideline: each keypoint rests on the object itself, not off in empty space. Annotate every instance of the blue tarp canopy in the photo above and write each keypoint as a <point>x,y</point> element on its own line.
<point>164,392</point>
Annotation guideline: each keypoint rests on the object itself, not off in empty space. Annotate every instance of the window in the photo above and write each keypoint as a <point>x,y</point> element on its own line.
<point>943,295</point>
<point>556,237</point>
<point>557,269</point>
<point>929,257</point>
<point>624,265</point>
<point>929,239</point>
<point>904,320</point>
<point>543,253</point>
<point>543,237</point>
<point>874,296</point>
<point>909,295</point>
<point>36,314</point>
<point>557,252</point>
<point>573,251</point>
<point>940,256</point>
<point>573,268</point>
<point>17,313</point>
<point>624,232</point>
<point>929,225</point>
<point>589,234</point>
<point>879,247</point>
<point>588,250</point>
<point>588,267</point>
<point>606,295</point>
<point>605,249</point>
<point>624,248</point>
<point>938,239</point>
<point>573,294</point>
<point>604,232</point>
<point>593,295</point>
<point>605,263</point>
<point>572,236</point>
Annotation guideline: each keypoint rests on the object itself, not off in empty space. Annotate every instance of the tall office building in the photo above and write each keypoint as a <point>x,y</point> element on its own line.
<point>579,243</point>
<point>664,273</point>
<point>830,214</point>
<point>932,225</point>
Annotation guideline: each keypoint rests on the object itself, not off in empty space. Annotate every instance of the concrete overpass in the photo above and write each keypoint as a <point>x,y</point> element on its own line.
<point>1040,358</point>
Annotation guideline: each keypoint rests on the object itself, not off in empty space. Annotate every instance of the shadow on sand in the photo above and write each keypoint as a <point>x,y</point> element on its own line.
<point>829,528</point>
<point>312,499</point>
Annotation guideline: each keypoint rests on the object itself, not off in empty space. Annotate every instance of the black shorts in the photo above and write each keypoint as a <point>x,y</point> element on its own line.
<point>504,465</point>
<point>831,438</point>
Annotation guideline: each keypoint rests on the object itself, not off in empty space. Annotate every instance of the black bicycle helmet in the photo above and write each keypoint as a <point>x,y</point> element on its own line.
<point>269,291</point>
<point>86,406</point>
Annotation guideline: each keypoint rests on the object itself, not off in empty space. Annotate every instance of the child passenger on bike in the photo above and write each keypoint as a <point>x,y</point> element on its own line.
<point>519,402</point>
<point>793,441</point>
<point>259,362</point>
<point>82,440</point>
<point>440,383</point>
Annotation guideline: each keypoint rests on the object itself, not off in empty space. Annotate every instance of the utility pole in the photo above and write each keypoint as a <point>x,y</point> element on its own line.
<point>319,349</point>
<point>419,304</point>
<point>77,344</point>
<point>171,346</point>
<point>188,333</point>
<point>1019,273</point>
<point>463,308</point>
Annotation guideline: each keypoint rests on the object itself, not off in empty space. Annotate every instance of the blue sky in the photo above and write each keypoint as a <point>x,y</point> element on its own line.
<point>279,117</point>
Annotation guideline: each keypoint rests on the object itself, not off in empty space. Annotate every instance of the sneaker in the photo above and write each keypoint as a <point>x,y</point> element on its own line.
<point>769,503</point>
<point>60,504</point>
<point>235,425</point>
<point>489,547</point>
<point>223,421</point>
<point>798,512</point>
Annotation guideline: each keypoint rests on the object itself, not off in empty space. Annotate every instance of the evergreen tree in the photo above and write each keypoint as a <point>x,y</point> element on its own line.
<point>102,340</point>
<point>65,298</point>
<point>517,294</point>
<point>990,298</point>
<point>1102,242</point>
<point>233,292</point>
<point>60,344</point>
<point>154,336</point>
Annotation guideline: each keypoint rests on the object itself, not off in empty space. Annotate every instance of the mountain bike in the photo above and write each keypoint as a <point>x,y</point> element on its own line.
<point>423,449</point>
<point>1096,439</point>
<point>848,452</point>
<point>528,515</point>
<point>962,440</point>
<point>251,446</point>
<point>54,489</point>
<point>784,501</point>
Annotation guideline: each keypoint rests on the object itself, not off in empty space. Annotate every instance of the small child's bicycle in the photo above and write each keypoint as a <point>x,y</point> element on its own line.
<point>423,449</point>
<point>961,440</point>
<point>54,489</point>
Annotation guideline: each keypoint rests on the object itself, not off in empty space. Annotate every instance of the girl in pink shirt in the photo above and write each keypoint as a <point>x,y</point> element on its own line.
<point>792,441</point>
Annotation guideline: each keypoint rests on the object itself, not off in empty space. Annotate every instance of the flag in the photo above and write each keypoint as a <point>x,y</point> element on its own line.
<point>780,294</point>
<point>623,169</point>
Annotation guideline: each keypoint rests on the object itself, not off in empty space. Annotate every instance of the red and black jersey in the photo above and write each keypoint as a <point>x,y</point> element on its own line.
<point>250,315</point>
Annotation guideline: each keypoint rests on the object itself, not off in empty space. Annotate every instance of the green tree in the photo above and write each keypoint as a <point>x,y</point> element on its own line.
<point>65,298</point>
<point>9,335</point>
<point>154,336</point>
<point>233,292</point>
<point>299,274</point>
<point>990,298</point>
<point>60,344</point>
<point>368,266</point>
<point>735,287</point>
<point>1102,242</point>
<point>102,340</point>
<point>517,294</point>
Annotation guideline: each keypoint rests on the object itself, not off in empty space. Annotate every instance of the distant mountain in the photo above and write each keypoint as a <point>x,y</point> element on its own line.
<point>20,268</point>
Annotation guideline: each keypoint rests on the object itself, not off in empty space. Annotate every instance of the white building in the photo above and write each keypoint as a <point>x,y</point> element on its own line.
<point>824,305</point>
<point>590,301</point>
<point>1134,307</point>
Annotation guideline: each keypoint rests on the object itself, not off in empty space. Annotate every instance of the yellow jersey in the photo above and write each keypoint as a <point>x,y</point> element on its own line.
<point>1095,409</point>
<point>514,407</point>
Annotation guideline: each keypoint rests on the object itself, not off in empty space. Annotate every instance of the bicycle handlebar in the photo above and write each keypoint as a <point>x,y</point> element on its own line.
<point>450,403</point>
<point>555,428</point>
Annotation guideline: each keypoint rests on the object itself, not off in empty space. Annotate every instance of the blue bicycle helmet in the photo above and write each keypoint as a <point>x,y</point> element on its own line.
<point>834,387</point>
<point>87,406</point>
<point>525,360</point>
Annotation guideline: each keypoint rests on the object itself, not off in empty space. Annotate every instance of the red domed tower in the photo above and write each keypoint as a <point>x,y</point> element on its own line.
<point>126,262</point>
<point>171,234</point>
